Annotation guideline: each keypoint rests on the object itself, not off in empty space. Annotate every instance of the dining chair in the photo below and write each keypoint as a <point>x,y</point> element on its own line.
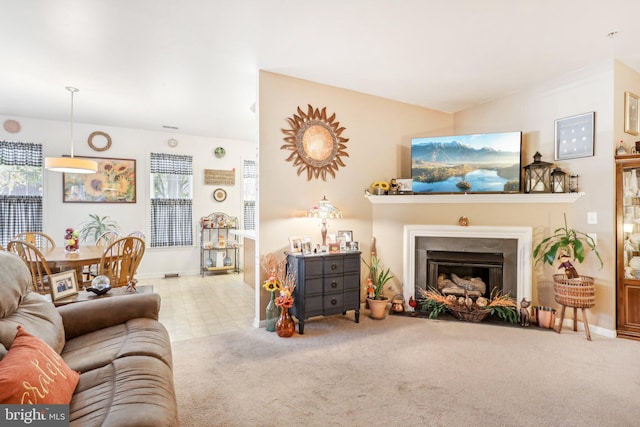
<point>37,238</point>
<point>120,261</point>
<point>138,234</point>
<point>35,261</point>
<point>103,240</point>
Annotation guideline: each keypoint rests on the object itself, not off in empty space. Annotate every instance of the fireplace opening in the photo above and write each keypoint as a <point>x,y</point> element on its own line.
<point>465,273</point>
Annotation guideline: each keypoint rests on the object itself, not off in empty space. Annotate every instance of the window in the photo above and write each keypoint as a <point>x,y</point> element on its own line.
<point>20,188</point>
<point>250,187</point>
<point>171,200</point>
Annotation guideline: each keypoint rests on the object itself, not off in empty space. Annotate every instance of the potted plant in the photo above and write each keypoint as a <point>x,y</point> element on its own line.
<point>379,277</point>
<point>570,289</point>
<point>97,225</point>
<point>566,243</point>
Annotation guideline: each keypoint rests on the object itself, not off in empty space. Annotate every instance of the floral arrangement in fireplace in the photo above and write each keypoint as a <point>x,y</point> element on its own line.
<point>467,308</point>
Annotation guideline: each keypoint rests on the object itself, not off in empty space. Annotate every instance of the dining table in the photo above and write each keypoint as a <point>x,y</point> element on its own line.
<point>60,259</point>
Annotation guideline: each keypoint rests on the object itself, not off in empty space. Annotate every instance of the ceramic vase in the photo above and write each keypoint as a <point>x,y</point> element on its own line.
<point>272,313</point>
<point>285,326</point>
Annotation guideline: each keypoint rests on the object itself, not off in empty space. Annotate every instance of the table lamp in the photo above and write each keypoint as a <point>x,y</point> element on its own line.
<point>324,209</point>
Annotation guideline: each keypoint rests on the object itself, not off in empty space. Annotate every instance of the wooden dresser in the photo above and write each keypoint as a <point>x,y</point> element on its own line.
<point>326,284</point>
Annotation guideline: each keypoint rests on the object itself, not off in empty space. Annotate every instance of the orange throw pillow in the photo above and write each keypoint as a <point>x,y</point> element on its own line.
<point>33,373</point>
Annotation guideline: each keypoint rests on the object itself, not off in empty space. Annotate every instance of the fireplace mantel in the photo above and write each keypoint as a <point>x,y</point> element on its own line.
<point>476,198</point>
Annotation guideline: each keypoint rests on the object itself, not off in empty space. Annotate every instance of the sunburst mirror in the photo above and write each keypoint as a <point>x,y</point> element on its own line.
<point>315,143</point>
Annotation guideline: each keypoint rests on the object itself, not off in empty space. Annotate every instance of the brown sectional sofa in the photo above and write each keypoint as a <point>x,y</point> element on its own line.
<point>122,352</point>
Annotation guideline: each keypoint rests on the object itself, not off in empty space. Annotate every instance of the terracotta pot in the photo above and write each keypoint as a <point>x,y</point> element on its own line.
<point>378,307</point>
<point>546,317</point>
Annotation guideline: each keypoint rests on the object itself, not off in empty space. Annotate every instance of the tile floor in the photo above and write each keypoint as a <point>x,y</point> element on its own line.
<point>195,306</point>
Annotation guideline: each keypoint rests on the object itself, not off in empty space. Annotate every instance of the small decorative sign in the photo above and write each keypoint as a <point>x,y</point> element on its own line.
<point>219,177</point>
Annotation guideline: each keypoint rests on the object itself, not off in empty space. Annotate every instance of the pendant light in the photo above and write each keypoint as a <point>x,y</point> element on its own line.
<point>70,164</point>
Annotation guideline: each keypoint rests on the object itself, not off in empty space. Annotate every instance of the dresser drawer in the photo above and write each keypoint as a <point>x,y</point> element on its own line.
<point>351,300</point>
<point>351,263</point>
<point>333,284</point>
<point>313,306</point>
<point>313,267</point>
<point>333,265</point>
<point>351,282</point>
<point>313,286</point>
<point>333,304</point>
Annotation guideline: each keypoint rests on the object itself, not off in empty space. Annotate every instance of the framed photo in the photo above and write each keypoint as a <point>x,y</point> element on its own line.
<point>345,236</point>
<point>334,248</point>
<point>295,244</point>
<point>631,114</point>
<point>404,185</point>
<point>114,182</point>
<point>354,246</point>
<point>574,136</point>
<point>306,245</point>
<point>63,285</point>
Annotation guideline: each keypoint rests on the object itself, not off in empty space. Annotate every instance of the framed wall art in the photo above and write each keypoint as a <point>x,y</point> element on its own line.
<point>574,136</point>
<point>631,114</point>
<point>114,182</point>
<point>64,284</point>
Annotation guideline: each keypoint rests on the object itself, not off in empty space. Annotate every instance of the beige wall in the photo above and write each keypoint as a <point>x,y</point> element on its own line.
<point>379,132</point>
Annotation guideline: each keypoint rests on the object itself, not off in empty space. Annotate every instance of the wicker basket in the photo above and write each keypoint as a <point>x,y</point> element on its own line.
<point>579,292</point>
<point>463,313</point>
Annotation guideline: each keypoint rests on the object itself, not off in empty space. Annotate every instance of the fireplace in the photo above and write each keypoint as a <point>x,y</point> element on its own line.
<point>479,273</point>
<point>498,256</point>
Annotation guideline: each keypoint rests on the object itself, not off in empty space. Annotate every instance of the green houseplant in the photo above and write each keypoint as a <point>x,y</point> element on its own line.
<point>565,241</point>
<point>379,277</point>
<point>97,225</point>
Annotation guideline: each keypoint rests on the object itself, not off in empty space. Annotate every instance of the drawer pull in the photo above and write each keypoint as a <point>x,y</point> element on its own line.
<point>334,266</point>
<point>334,284</point>
<point>334,301</point>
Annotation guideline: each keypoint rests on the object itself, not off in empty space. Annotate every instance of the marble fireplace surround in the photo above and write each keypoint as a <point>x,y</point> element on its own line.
<point>523,236</point>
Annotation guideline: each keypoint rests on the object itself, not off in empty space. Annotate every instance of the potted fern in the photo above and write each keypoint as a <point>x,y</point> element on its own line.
<point>379,277</point>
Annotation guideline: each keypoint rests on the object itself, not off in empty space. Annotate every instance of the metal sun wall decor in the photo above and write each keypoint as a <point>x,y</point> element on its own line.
<point>315,142</point>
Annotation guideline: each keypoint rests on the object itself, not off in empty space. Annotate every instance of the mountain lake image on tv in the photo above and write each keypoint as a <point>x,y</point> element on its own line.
<point>479,163</point>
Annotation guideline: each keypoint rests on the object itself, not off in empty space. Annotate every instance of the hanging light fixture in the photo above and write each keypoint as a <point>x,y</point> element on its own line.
<point>70,164</point>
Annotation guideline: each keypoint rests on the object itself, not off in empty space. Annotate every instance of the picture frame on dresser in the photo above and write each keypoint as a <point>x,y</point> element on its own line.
<point>295,244</point>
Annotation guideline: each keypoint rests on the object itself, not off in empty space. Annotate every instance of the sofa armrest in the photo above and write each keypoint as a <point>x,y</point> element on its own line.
<point>88,316</point>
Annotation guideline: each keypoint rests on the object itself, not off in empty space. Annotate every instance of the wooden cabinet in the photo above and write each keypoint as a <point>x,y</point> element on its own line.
<point>218,247</point>
<point>326,284</point>
<point>628,246</point>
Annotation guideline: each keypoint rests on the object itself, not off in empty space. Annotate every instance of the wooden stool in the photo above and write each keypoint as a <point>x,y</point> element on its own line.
<point>575,293</point>
<point>575,320</point>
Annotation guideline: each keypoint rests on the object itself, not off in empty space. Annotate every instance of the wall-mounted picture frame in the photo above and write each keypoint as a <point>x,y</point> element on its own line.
<point>114,182</point>
<point>631,113</point>
<point>63,285</point>
<point>295,244</point>
<point>574,136</point>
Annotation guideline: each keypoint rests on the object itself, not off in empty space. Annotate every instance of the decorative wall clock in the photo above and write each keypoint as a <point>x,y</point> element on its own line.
<point>219,195</point>
<point>105,147</point>
<point>315,142</point>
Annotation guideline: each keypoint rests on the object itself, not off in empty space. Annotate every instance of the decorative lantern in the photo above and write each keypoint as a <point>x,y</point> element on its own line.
<point>573,184</point>
<point>536,176</point>
<point>558,181</point>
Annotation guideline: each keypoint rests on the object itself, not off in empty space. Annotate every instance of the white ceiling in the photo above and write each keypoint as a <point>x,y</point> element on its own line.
<point>193,63</point>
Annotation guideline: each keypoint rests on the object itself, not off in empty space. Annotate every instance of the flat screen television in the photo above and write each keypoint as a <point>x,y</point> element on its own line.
<point>479,163</point>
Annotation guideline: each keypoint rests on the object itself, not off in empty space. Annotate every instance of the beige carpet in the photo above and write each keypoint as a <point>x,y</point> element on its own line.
<point>407,371</point>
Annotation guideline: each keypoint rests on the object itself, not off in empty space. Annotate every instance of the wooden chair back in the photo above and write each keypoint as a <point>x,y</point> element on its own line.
<point>107,238</point>
<point>138,234</point>
<point>38,239</point>
<point>120,260</point>
<point>35,262</point>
